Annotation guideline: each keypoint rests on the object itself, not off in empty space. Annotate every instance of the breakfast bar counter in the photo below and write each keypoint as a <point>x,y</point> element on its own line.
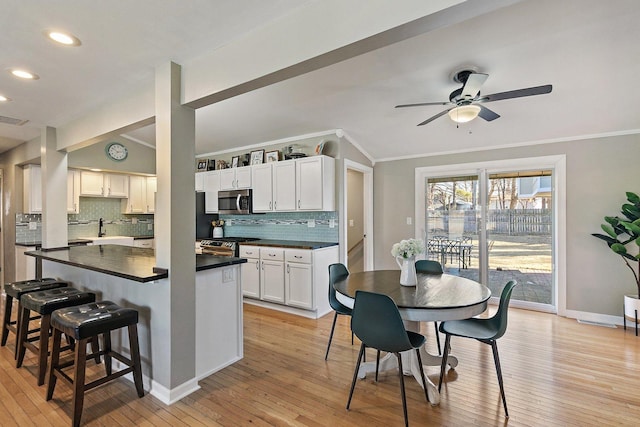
<point>137,264</point>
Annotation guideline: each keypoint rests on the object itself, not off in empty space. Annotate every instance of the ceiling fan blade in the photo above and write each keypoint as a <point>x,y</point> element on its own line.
<point>430,119</point>
<point>472,85</point>
<point>423,103</point>
<point>488,114</point>
<point>530,91</point>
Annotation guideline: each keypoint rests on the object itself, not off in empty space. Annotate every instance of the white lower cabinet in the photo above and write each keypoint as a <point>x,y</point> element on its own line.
<point>298,279</point>
<point>272,274</point>
<point>287,279</point>
<point>250,271</point>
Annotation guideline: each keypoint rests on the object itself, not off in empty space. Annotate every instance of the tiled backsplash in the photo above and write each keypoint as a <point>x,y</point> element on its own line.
<point>86,222</point>
<point>284,226</point>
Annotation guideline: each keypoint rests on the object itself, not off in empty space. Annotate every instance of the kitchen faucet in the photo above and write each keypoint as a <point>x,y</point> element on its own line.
<point>100,225</point>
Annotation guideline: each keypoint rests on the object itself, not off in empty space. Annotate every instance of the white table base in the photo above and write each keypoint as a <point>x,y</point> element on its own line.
<point>410,364</point>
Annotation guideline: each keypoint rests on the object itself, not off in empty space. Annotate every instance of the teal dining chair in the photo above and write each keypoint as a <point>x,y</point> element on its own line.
<point>427,266</point>
<point>376,321</point>
<point>336,272</point>
<point>484,330</point>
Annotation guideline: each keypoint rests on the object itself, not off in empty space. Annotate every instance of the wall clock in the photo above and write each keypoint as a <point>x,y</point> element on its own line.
<point>116,151</point>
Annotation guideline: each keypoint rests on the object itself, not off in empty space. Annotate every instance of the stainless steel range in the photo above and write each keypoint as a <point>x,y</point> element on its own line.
<point>224,246</point>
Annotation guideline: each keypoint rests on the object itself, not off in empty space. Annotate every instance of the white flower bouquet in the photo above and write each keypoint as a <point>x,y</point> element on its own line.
<point>407,248</point>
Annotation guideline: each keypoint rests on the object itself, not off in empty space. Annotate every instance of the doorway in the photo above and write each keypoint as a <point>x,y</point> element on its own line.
<point>496,222</point>
<point>358,217</point>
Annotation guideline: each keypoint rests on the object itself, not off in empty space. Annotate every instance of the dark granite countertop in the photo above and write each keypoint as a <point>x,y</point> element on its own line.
<point>38,243</point>
<point>293,244</point>
<point>138,264</point>
<point>142,237</point>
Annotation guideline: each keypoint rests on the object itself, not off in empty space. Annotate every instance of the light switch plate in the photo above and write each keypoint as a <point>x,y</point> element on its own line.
<point>134,221</point>
<point>149,227</point>
<point>332,223</point>
<point>33,225</point>
<point>409,220</point>
<point>311,223</point>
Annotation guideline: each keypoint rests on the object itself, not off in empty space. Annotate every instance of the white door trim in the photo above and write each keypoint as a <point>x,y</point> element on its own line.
<point>557,163</point>
<point>368,212</point>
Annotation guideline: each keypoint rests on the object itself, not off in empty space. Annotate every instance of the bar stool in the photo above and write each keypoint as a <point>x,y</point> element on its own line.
<point>83,323</point>
<point>16,290</point>
<point>44,303</point>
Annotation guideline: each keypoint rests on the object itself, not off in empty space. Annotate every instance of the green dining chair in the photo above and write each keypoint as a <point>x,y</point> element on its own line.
<point>336,272</point>
<point>377,323</point>
<point>484,330</point>
<point>427,266</point>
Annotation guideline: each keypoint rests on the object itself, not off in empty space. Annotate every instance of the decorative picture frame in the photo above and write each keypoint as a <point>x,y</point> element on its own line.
<point>211,165</point>
<point>257,157</point>
<point>234,161</point>
<point>272,156</point>
<point>202,165</point>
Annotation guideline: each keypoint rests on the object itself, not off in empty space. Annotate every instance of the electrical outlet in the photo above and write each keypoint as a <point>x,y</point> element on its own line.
<point>134,221</point>
<point>149,227</point>
<point>311,223</point>
<point>227,275</point>
<point>33,225</point>
<point>332,223</point>
<point>350,223</point>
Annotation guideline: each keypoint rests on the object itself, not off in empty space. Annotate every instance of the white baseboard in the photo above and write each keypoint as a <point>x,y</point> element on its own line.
<point>594,317</point>
<point>284,308</point>
<point>171,396</point>
<point>217,368</point>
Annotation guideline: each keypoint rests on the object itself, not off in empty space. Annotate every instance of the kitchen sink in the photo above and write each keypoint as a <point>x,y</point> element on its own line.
<point>111,240</point>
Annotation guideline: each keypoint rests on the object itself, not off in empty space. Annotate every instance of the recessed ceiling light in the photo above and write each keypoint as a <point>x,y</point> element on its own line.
<point>23,74</point>
<point>61,37</point>
<point>4,98</point>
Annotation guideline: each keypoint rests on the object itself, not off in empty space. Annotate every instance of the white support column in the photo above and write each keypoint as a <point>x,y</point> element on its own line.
<point>54,191</point>
<point>175,229</point>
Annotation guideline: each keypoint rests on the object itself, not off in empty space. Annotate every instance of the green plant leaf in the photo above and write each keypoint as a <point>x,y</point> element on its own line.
<point>633,229</point>
<point>633,197</point>
<point>612,220</point>
<point>607,229</point>
<point>607,239</point>
<point>638,241</point>
<point>630,211</point>
<point>619,248</point>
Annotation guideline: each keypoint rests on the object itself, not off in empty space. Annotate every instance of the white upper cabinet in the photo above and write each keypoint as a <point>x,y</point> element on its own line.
<point>200,182</point>
<point>152,189</point>
<point>315,184</point>
<point>235,178</point>
<point>99,184</point>
<point>142,195</point>
<point>262,188</point>
<point>284,186</point>
<point>116,185</point>
<point>73,191</point>
<point>32,189</point>
<point>211,185</point>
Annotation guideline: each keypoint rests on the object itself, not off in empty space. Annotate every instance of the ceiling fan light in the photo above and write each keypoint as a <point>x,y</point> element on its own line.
<point>464,113</point>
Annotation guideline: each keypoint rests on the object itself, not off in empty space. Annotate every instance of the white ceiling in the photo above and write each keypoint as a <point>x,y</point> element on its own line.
<point>587,49</point>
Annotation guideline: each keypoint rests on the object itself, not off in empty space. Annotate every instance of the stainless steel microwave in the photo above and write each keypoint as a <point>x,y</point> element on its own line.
<point>235,202</point>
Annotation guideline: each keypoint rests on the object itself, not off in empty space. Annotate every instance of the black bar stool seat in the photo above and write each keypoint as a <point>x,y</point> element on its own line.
<point>44,303</point>
<point>83,323</point>
<point>16,290</point>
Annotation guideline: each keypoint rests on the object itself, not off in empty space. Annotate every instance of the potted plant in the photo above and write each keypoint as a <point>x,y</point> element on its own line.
<point>623,235</point>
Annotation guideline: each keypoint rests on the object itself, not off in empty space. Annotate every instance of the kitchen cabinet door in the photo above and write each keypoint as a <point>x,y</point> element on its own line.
<point>73,192</point>
<point>315,184</point>
<point>152,188</point>
<point>235,178</point>
<point>32,189</point>
<point>299,285</point>
<point>91,183</point>
<point>211,185</point>
<point>25,265</point>
<point>199,182</point>
<point>251,278</point>
<point>272,281</point>
<point>284,186</point>
<point>137,201</point>
<point>116,185</point>
<point>262,188</point>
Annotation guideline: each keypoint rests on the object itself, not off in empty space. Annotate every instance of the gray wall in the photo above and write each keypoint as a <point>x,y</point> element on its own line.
<point>141,159</point>
<point>599,171</point>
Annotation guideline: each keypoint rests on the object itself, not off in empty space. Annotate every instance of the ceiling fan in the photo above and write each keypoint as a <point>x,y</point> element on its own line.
<point>467,101</point>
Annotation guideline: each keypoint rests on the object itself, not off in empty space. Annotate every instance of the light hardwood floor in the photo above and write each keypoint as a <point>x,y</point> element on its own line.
<point>557,373</point>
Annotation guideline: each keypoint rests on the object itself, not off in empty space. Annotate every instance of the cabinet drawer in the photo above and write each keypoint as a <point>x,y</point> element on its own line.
<point>272,254</point>
<point>249,252</point>
<point>298,255</point>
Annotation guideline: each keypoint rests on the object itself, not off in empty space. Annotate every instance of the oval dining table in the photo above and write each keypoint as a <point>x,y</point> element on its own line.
<point>436,297</point>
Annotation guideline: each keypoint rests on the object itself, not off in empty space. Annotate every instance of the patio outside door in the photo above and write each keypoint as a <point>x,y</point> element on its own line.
<point>509,240</point>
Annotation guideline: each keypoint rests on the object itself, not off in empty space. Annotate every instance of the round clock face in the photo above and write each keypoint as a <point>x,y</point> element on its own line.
<point>116,151</point>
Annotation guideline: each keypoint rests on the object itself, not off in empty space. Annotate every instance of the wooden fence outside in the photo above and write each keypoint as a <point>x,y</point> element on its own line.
<point>511,222</point>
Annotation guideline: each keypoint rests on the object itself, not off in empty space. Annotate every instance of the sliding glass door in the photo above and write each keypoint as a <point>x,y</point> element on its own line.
<point>493,225</point>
